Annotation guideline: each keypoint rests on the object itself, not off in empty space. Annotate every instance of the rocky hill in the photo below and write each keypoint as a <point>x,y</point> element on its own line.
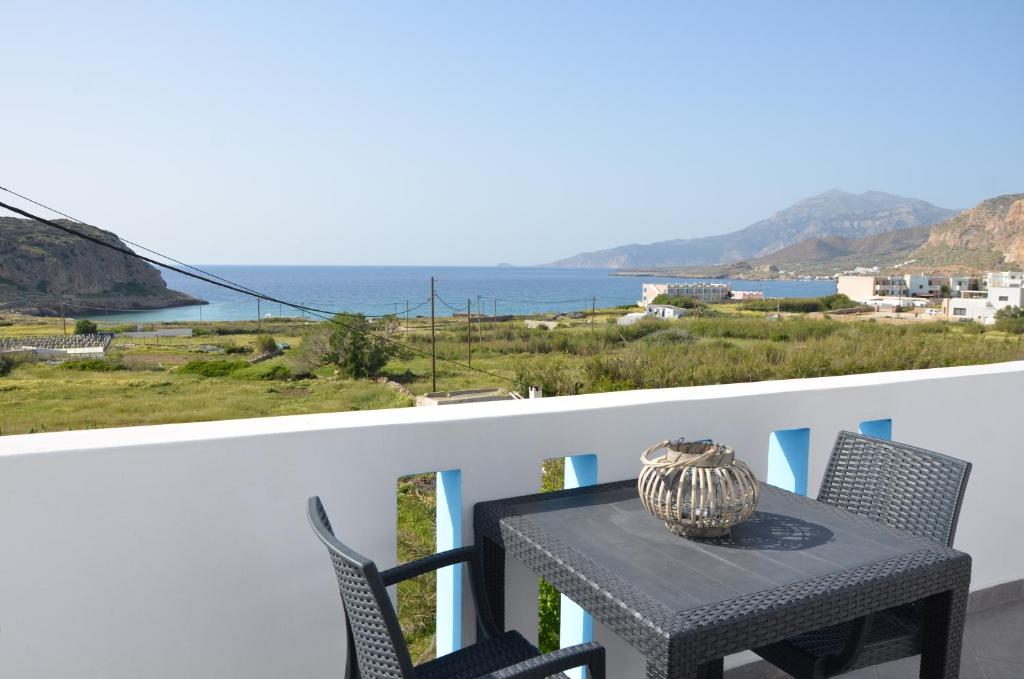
<point>40,267</point>
<point>838,253</point>
<point>833,213</point>
<point>987,236</point>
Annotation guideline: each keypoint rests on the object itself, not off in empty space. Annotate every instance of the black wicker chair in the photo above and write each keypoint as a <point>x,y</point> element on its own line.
<point>909,488</point>
<point>377,650</point>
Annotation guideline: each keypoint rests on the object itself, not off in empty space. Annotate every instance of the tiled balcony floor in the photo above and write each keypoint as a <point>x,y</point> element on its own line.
<point>993,649</point>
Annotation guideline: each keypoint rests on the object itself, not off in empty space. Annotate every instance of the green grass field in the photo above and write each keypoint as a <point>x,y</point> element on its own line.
<point>162,381</point>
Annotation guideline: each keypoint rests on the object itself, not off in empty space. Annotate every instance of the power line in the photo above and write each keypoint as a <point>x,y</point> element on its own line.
<point>141,247</point>
<point>204,272</point>
<point>236,288</point>
<point>441,300</point>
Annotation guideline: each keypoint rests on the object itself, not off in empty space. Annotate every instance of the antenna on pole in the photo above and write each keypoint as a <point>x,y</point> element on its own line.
<point>433,341</point>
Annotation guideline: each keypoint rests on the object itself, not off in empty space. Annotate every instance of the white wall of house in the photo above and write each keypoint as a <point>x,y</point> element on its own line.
<point>183,550</point>
<point>1001,297</point>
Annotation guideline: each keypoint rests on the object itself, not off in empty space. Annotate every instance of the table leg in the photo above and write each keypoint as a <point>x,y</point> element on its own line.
<point>493,576</point>
<point>942,633</point>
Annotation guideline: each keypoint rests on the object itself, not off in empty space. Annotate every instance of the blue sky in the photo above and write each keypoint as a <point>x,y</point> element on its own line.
<point>478,132</point>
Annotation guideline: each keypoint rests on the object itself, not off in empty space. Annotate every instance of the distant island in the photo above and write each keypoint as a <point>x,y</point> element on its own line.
<point>45,272</point>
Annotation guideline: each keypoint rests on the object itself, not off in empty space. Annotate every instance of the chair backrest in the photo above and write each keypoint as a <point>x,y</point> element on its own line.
<point>908,488</point>
<point>373,626</point>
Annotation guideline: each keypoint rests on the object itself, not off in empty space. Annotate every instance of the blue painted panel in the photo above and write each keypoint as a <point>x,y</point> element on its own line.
<point>788,453</point>
<point>449,578</point>
<point>880,429</point>
<point>576,625</point>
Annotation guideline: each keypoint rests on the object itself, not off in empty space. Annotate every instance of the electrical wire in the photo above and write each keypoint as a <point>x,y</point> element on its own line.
<point>172,259</point>
<point>441,300</point>
<point>229,285</point>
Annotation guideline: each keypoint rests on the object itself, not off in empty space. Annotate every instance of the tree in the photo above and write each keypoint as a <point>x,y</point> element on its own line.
<point>351,344</point>
<point>681,301</point>
<point>265,344</point>
<point>1010,319</point>
<point>85,327</point>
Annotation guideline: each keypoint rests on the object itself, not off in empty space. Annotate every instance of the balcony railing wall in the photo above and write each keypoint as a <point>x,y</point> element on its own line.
<point>183,550</point>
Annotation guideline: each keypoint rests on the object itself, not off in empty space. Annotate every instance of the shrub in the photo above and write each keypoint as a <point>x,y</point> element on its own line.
<point>352,345</point>
<point>7,364</point>
<point>92,365</point>
<point>669,336</point>
<point>681,301</point>
<point>236,349</point>
<point>1010,319</point>
<point>800,304</point>
<point>265,344</point>
<point>212,368</point>
<point>84,326</point>
<point>276,372</point>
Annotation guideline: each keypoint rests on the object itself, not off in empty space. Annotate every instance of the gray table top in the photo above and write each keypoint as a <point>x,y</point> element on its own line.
<point>600,547</point>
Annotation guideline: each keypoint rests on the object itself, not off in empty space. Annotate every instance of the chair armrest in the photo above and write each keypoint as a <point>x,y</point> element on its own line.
<point>427,564</point>
<point>590,654</point>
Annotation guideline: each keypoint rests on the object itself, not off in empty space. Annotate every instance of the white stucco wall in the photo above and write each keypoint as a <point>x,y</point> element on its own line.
<point>183,550</point>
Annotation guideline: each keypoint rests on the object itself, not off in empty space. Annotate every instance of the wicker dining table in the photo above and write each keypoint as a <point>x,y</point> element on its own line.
<point>795,566</point>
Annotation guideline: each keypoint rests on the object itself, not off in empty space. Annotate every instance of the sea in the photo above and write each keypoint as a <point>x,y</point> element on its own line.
<point>380,290</point>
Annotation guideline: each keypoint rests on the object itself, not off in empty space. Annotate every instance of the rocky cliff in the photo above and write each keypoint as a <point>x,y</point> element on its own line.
<point>986,236</point>
<point>41,267</point>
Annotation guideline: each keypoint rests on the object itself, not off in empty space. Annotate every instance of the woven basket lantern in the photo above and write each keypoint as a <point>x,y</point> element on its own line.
<point>698,488</point>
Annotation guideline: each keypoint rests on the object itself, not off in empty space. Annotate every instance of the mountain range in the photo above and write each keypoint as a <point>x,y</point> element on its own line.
<point>829,214</point>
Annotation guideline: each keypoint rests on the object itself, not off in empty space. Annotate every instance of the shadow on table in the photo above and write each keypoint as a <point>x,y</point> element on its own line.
<point>775,532</point>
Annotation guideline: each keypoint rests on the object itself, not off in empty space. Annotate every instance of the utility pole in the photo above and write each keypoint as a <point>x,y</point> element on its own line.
<point>593,311</point>
<point>495,310</point>
<point>433,341</point>
<point>469,329</point>
<point>63,319</point>
<point>259,318</point>
<point>407,315</point>
<point>479,318</point>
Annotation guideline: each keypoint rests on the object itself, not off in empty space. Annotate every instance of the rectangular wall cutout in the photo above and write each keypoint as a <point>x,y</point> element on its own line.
<point>788,452</point>
<point>880,429</point>
<point>562,622</point>
<point>430,520</point>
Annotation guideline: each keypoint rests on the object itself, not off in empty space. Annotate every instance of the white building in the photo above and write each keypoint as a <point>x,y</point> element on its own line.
<point>866,288</point>
<point>747,294</point>
<point>1005,289</point>
<point>631,318</point>
<point>705,292</point>
<point>1005,279</point>
<point>666,311</point>
<point>925,286</point>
